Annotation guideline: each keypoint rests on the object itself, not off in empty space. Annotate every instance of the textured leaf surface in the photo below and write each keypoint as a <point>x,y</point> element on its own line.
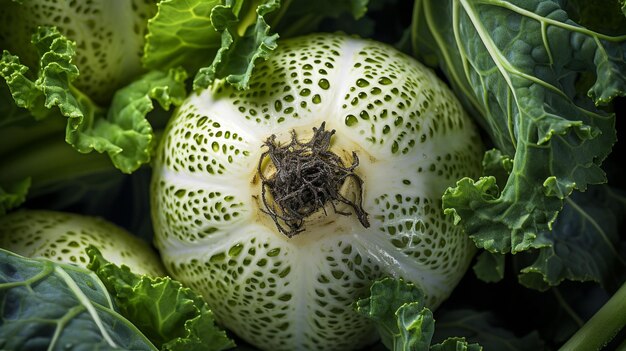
<point>109,35</point>
<point>181,34</point>
<point>241,46</point>
<point>226,39</point>
<point>122,132</point>
<point>398,311</point>
<point>172,316</point>
<point>49,306</point>
<point>519,66</point>
<point>585,242</point>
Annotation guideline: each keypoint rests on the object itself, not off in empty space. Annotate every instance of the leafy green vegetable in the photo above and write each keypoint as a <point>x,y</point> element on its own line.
<point>521,68</point>
<point>603,326</point>
<point>588,231</point>
<point>181,34</point>
<point>398,311</point>
<point>47,305</point>
<point>109,35</point>
<point>225,39</point>
<point>123,132</point>
<point>456,344</point>
<point>241,46</point>
<point>172,316</point>
<point>544,79</point>
<point>401,318</point>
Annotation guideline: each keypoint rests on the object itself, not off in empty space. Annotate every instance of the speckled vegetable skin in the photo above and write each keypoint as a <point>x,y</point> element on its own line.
<point>109,35</point>
<point>64,237</point>
<point>413,140</point>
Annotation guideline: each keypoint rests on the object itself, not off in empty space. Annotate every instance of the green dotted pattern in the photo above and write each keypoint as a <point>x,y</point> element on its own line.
<point>106,55</point>
<point>417,228</point>
<point>192,214</point>
<point>266,289</point>
<point>286,294</point>
<point>63,237</point>
<point>393,103</point>
<point>203,146</point>
<point>294,83</point>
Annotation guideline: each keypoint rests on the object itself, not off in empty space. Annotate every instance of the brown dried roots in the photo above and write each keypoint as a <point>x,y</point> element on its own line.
<point>308,176</point>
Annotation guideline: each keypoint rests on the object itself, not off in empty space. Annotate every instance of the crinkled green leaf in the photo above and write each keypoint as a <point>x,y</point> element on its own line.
<point>48,306</point>
<point>181,34</point>
<point>109,36</point>
<point>238,53</point>
<point>122,132</point>
<point>483,328</point>
<point>489,267</point>
<point>415,325</point>
<point>398,312</point>
<point>126,126</point>
<point>585,242</point>
<point>224,39</point>
<point>23,90</point>
<point>456,344</point>
<point>14,194</point>
<point>497,165</point>
<point>518,67</point>
<point>171,316</point>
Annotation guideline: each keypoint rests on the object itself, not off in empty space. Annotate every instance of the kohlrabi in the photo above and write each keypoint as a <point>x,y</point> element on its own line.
<point>283,202</point>
<point>64,237</point>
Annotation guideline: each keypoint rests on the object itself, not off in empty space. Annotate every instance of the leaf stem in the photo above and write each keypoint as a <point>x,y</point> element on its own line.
<point>602,327</point>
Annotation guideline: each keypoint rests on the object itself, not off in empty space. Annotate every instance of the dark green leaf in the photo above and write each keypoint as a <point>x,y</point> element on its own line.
<point>489,267</point>
<point>170,315</point>
<point>398,312</point>
<point>49,306</point>
<point>456,344</point>
<point>14,194</point>
<point>483,328</point>
<point>517,65</point>
<point>585,242</point>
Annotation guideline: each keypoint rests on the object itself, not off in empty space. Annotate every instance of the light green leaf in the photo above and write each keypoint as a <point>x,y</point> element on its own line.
<point>242,43</point>
<point>126,126</point>
<point>171,316</point>
<point>398,312</point>
<point>181,34</point>
<point>47,306</point>
<point>122,132</point>
<point>489,267</point>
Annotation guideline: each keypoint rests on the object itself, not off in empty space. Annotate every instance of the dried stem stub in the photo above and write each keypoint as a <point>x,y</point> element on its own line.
<point>308,176</point>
